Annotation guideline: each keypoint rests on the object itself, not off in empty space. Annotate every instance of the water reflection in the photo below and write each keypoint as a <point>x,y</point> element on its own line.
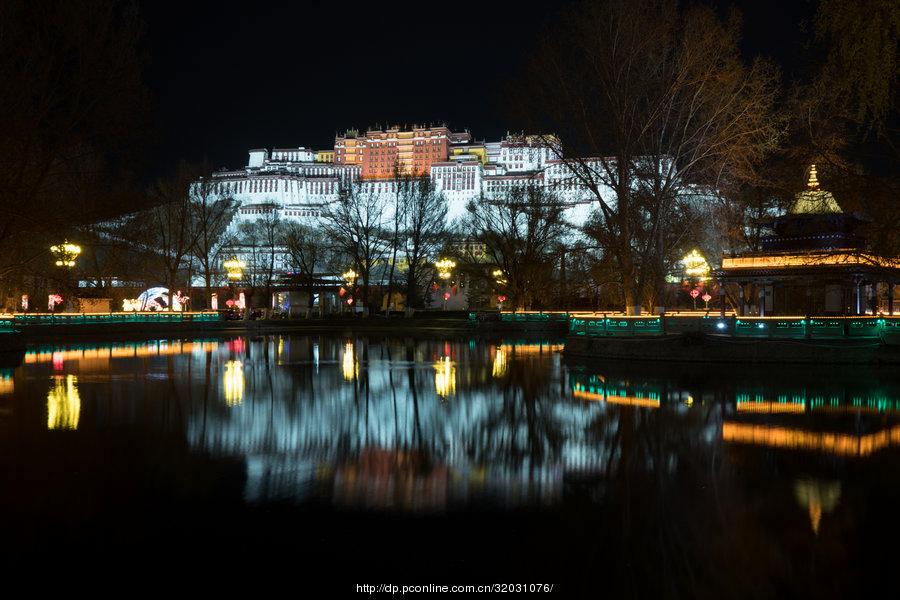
<point>63,403</point>
<point>723,475</point>
<point>445,377</point>
<point>233,382</point>
<point>818,497</point>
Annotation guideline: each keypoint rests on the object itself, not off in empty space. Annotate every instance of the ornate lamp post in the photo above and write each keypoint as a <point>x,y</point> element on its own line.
<point>445,268</point>
<point>696,270</point>
<point>65,254</point>
<point>234,270</point>
<point>349,276</point>
<point>500,280</point>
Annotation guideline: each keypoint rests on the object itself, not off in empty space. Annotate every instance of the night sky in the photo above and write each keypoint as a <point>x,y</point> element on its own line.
<point>225,77</point>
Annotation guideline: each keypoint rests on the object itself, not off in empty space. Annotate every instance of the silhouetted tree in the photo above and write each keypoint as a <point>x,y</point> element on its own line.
<point>650,99</point>
<point>72,105</point>
<point>520,231</point>
<point>355,225</point>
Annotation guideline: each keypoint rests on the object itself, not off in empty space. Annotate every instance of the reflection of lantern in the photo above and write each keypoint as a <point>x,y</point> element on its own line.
<point>446,295</point>
<point>25,302</point>
<point>349,300</point>
<point>214,301</point>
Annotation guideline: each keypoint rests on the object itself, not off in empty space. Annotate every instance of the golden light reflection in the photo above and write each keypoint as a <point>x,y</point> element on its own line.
<point>771,407</point>
<point>798,439</point>
<point>63,403</point>
<point>132,350</point>
<point>233,382</point>
<point>7,385</point>
<point>818,497</point>
<point>501,366</point>
<point>350,367</point>
<point>445,377</point>
<point>612,399</point>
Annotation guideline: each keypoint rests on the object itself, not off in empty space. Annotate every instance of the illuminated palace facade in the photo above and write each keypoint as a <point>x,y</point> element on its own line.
<point>296,183</point>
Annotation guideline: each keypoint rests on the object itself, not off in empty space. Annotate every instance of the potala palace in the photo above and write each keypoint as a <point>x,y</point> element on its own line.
<point>297,182</point>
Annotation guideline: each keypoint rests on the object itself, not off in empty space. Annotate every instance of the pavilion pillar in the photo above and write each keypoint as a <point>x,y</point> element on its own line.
<point>858,297</point>
<point>741,298</point>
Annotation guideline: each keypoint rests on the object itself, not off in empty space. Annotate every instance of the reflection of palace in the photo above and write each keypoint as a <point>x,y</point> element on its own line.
<point>372,425</point>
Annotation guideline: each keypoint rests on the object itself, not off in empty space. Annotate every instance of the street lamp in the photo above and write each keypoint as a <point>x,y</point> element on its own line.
<point>349,277</point>
<point>65,254</point>
<point>234,271</point>
<point>695,266</point>
<point>445,268</point>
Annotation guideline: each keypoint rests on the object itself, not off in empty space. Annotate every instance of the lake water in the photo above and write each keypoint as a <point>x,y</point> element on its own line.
<point>333,461</point>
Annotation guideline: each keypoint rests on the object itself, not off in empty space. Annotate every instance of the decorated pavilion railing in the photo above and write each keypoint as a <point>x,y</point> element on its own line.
<point>742,327</point>
<point>8,322</point>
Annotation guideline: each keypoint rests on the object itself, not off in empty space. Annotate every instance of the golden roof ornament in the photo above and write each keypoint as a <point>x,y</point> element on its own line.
<point>814,201</point>
<point>813,182</point>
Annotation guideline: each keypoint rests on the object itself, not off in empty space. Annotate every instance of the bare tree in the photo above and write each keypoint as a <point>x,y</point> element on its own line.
<point>72,105</point>
<point>520,231</point>
<point>213,207</point>
<point>307,249</point>
<point>355,225</point>
<point>261,242</point>
<point>425,233</point>
<point>170,223</point>
<point>401,187</point>
<point>651,100</point>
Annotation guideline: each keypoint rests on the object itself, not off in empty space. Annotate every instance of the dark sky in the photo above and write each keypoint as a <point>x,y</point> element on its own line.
<point>225,77</point>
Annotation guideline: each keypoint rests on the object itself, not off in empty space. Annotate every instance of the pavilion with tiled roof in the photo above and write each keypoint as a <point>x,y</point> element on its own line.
<point>815,262</point>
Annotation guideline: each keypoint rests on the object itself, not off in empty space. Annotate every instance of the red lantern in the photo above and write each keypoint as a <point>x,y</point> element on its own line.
<point>707,297</point>
<point>501,298</point>
<point>342,292</point>
<point>349,300</point>
<point>446,295</point>
<point>695,292</point>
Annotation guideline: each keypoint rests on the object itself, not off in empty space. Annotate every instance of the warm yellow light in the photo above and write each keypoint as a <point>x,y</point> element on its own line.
<point>234,268</point>
<point>813,182</point>
<point>349,366</point>
<point>444,267</point>
<point>445,377</point>
<point>771,407</point>
<point>350,276</point>
<point>63,403</point>
<point>817,497</point>
<point>7,385</point>
<point>695,265</point>
<point>799,439</point>
<point>501,365</point>
<point>233,382</point>
<point>612,399</point>
<point>65,253</point>
<point>808,260</point>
